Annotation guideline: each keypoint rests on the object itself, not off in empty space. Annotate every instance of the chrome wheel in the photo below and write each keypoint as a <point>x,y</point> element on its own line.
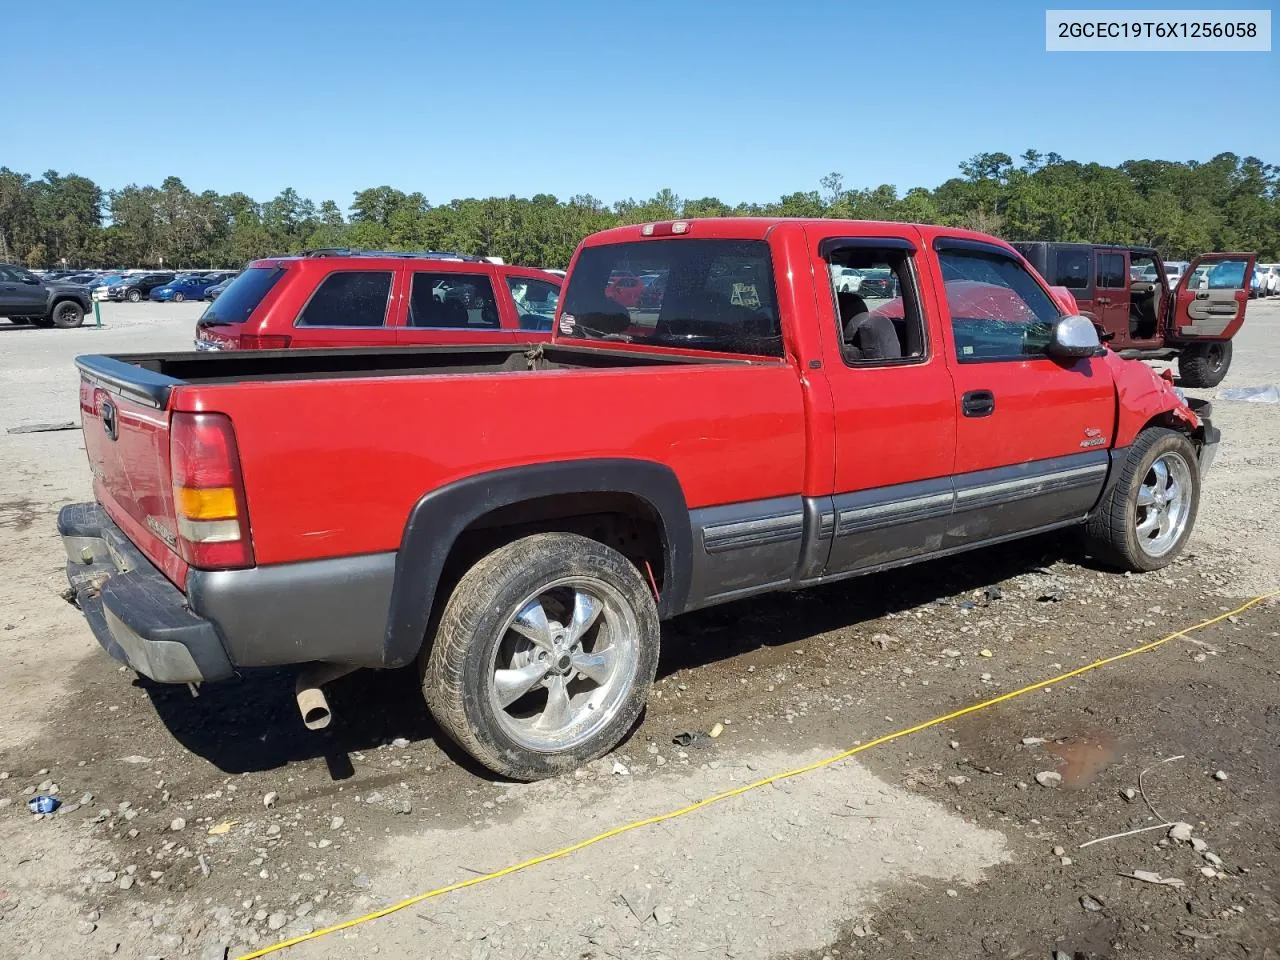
<point>564,665</point>
<point>1164,504</point>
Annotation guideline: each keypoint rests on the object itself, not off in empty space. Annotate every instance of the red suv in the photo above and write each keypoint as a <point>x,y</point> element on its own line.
<point>349,298</point>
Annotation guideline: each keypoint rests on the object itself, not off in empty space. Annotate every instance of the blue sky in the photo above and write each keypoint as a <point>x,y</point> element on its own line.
<point>741,100</point>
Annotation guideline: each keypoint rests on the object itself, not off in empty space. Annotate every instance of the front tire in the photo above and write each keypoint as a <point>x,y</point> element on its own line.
<point>1204,364</point>
<point>67,314</point>
<point>544,655</point>
<point>1144,519</point>
<point>133,296</point>
<point>178,298</point>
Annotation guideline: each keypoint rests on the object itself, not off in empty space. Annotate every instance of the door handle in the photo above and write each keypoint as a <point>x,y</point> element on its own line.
<point>1104,300</point>
<point>978,403</point>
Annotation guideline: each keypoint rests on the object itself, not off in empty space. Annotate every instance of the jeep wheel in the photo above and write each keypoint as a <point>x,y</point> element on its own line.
<point>544,655</point>
<point>133,296</point>
<point>1204,364</point>
<point>67,314</point>
<point>1144,519</point>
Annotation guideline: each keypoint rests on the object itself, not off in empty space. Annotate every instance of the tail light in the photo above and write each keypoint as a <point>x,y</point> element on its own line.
<point>264,341</point>
<point>208,492</point>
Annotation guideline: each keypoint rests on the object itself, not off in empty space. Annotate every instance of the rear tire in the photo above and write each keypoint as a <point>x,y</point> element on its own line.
<point>505,676</point>
<point>1204,364</point>
<point>1145,517</point>
<point>67,314</point>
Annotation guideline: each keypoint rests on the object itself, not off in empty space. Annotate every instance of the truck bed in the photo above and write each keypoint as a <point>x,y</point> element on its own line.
<point>148,377</point>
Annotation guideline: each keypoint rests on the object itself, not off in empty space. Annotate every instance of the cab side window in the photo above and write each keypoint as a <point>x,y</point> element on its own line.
<point>453,301</point>
<point>1071,269</point>
<point>876,304</point>
<point>998,310</point>
<point>349,298</point>
<point>1111,271</point>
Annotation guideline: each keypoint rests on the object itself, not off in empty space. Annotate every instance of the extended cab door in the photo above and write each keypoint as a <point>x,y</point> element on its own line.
<point>1209,301</point>
<point>894,405</point>
<point>1033,431</point>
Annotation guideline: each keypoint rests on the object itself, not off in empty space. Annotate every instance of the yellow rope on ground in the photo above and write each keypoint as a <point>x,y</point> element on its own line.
<point>746,788</point>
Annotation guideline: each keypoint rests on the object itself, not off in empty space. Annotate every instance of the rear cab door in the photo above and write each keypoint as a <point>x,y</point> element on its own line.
<point>1209,301</point>
<point>1033,431</point>
<point>893,400</point>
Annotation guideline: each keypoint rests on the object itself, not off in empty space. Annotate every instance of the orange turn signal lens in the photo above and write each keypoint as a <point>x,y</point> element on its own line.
<point>212,503</point>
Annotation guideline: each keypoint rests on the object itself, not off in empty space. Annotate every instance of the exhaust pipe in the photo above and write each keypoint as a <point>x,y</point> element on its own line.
<point>312,703</point>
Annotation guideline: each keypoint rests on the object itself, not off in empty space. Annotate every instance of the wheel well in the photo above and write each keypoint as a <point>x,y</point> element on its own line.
<point>625,522</point>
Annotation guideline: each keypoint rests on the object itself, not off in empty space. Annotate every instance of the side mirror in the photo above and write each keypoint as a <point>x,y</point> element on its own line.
<point>32,281</point>
<point>1075,336</point>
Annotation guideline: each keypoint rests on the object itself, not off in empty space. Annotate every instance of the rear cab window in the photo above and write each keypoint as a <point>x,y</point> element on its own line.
<point>692,294</point>
<point>242,296</point>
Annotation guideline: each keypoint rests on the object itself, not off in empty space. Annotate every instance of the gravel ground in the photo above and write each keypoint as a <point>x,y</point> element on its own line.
<point>193,827</point>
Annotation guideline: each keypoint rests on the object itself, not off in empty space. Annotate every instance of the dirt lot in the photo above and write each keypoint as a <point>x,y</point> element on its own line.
<point>941,844</point>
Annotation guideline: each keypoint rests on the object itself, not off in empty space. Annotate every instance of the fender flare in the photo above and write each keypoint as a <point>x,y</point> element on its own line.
<point>440,516</point>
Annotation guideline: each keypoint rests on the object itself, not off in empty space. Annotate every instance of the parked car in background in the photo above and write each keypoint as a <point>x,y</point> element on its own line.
<point>1271,278</point>
<point>1146,319</point>
<point>347,298</point>
<point>625,289</point>
<point>42,302</point>
<point>1173,272</point>
<point>138,286</point>
<point>211,293</point>
<point>1257,286</point>
<point>181,288</point>
<point>102,286</point>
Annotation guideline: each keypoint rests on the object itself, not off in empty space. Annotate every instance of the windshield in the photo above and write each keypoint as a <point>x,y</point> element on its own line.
<point>241,296</point>
<point>694,294</point>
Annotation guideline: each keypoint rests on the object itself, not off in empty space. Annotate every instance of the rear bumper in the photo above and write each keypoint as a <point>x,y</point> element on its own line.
<point>139,617</point>
<point>323,610</point>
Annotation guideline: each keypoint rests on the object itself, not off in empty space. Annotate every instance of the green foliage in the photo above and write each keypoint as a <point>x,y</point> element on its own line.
<point>1227,203</point>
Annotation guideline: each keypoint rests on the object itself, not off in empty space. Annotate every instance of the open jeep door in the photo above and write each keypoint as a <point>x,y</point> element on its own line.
<point>1210,298</point>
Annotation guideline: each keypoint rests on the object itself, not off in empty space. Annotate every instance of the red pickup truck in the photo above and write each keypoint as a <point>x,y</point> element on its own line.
<point>749,429</point>
<point>373,298</point>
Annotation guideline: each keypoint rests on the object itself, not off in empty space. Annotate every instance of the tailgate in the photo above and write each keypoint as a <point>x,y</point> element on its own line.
<point>126,437</point>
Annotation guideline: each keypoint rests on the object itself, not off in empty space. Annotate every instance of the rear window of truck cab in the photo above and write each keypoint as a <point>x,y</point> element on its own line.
<point>694,294</point>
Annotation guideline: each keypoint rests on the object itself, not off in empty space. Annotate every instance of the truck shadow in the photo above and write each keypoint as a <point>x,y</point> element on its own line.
<point>253,725</point>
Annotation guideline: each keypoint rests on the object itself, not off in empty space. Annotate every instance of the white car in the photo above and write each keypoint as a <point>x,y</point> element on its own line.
<point>1270,279</point>
<point>1173,272</point>
<point>846,279</point>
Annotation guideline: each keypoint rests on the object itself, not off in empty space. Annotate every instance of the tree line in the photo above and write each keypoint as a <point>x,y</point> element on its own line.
<point>1227,203</point>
